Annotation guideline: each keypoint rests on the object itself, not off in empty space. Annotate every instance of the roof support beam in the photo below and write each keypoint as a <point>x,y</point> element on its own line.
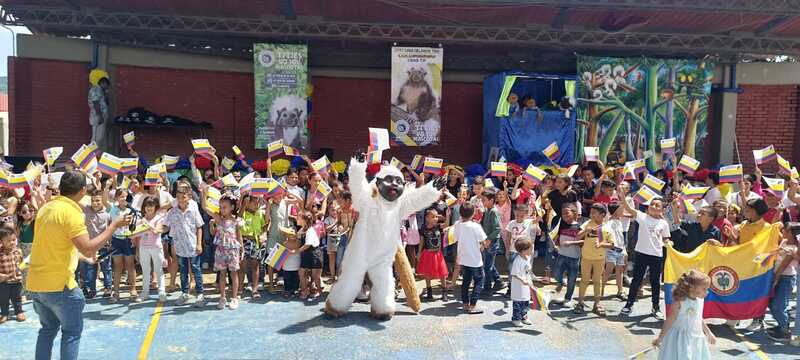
<point>772,25</point>
<point>775,7</point>
<point>61,20</point>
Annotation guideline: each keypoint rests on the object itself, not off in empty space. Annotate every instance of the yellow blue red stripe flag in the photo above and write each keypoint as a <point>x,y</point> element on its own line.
<point>740,286</point>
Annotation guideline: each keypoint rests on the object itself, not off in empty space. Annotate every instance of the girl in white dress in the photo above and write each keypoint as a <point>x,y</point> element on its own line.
<point>684,335</point>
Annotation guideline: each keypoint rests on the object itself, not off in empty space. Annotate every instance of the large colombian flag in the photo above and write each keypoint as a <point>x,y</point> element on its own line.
<point>741,275</point>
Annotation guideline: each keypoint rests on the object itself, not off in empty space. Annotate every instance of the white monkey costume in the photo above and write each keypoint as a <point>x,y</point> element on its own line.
<point>376,238</point>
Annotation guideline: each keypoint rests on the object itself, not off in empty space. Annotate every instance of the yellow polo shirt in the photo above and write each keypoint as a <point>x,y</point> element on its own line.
<point>748,231</point>
<point>54,257</point>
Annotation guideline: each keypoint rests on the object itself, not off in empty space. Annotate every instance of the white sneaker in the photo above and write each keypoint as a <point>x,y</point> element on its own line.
<point>162,298</point>
<point>183,299</point>
<point>221,304</point>
<point>527,322</point>
<point>755,325</point>
<point>795,341</point>
<point>200,302</point>
<point>234,303</point>
<point>517,323</point>
<point>248,289</point>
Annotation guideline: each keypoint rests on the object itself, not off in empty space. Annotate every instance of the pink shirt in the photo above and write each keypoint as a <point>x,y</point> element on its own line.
<point>151,239</point>
<point>505,214</point>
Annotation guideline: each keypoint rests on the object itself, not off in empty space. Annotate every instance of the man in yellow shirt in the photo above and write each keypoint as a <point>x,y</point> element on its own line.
<point>59,233</point>
<point>754,210</point>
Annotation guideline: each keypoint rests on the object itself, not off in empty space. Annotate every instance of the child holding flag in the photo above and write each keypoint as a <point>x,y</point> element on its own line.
<point>186,228</point>
<point>595,241</point>
<point>151,252</point>
<point>122,254</point>
<point>684,335</point>
<point>521,276</point>
<point>226,227</point>
<point>649,252</point>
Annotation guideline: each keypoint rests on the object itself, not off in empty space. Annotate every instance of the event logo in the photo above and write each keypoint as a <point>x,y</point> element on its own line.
<point>724,280</point>
<point>266,57</point>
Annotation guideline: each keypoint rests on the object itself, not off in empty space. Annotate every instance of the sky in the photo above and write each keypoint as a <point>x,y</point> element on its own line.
<point>6,48</point>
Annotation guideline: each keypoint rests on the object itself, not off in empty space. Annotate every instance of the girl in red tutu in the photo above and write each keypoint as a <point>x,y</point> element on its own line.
<point>431,263</point>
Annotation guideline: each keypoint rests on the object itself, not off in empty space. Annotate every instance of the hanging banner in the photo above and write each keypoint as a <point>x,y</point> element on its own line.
<point>281,75</point>
<point>416,96</point>
<point>626,106</point>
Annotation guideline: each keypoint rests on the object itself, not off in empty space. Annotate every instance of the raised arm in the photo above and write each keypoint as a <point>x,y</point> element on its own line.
<point>414,200</point>
<point>359,186</point>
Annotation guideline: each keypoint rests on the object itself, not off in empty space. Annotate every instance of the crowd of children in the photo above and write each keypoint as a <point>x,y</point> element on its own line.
<point>591,228</point>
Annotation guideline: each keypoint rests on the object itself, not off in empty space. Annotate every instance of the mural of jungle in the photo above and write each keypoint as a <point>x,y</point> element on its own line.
<point>626,105</point>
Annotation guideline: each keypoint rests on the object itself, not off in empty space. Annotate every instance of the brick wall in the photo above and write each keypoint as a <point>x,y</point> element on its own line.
<point>45,93</point>
<point>47,105</point>
<point>343,109</point>
<point>765,115</point>
<point>224,99</point>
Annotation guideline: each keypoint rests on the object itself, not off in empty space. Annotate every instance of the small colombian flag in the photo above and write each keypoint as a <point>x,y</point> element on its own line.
<point>238,152</point>
<point>783,165</point>
<point>374,157</point>
<point>109,164</point>
<point>535,174</point>
<point>688,164</point>
<point>654,182</point>
<point>499,169</point>
<point>694,192</point>
<point>668,146</point>
<point>778,186</point>
<point>130,166</point>
<point>433,165</point>
<point>730,173</point>
<point>645,195</point>
<point>764,155</point>
<point>321,165</point>
<point>551,151</point>
<point>202,147</point>
<point>277,257</point>
<point>275,148</point>
<point>416,162</point>
<point>52,154</point>
<point>130,139</point>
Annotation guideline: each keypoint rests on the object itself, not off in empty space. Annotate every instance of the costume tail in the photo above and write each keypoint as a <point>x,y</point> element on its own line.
<point>406,274</point>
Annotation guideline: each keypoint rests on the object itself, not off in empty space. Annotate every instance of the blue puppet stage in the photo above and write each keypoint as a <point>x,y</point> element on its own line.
<point>521,129</point>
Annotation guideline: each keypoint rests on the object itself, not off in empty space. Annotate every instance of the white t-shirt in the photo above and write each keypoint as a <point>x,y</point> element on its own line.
<point>292,262</point>
<point>312,239</point>
<point>519,230</point>
<point>469,236</point>
<point>617,228</point>
<point>521,268</point>
<point>651,234</point>
<point>737,199</point>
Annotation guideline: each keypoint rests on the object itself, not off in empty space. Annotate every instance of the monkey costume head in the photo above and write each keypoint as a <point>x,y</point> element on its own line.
<point>390,183</point>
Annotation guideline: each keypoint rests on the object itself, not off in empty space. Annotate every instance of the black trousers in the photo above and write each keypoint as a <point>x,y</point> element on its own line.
<point>642,263</point>
<point>10,293</point>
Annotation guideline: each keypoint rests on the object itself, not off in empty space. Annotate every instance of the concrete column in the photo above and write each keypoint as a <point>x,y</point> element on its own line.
<point>727,130</point>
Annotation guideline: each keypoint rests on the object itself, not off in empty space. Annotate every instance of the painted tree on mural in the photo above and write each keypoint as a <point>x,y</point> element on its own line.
<point>628,104</point>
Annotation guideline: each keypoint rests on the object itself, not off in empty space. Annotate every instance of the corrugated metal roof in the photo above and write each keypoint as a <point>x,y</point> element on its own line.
<point>388,11</point>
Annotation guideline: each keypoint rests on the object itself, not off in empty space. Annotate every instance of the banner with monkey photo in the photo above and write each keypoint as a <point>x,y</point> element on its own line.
<point>416,96</point>
<point>281,74</point>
